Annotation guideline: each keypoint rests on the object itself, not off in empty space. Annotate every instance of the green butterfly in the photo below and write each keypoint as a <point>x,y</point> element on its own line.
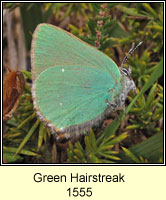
<point>74,84</point>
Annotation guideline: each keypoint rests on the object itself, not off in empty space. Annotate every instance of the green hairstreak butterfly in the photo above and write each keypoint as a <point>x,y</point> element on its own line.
<point>74,84</point>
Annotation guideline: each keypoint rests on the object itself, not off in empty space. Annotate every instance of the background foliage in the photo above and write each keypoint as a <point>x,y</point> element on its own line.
<point>136,137</point>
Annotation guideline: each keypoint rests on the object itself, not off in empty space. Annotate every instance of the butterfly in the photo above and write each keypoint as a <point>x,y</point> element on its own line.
<point>74,85</point>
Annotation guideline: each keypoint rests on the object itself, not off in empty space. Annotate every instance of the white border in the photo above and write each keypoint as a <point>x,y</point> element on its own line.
<point>2,88</point>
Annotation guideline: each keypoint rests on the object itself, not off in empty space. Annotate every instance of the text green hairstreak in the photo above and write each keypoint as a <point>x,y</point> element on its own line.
<point>74,84</point>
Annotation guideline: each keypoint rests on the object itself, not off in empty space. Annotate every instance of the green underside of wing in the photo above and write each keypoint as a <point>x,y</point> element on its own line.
<point>53,46</point>
<point>73,79</point>
<point>74,95</point>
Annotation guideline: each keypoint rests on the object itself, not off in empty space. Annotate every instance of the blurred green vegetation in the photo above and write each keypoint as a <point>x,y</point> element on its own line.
<point>112,28</point>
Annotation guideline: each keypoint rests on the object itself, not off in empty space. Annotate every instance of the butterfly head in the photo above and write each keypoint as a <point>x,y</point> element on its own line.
<point>126,71</point>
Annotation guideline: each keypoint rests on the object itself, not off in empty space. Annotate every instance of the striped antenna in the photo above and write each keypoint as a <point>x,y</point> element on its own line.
<point>130,52</point>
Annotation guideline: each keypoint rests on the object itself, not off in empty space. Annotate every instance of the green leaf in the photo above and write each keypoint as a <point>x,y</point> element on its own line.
<point>27,137</point>
<point>23,151</point>
<point>118,139</point>
<point>28,119</point>
<point>92,139</point>
<point>9,158</point>
<point>42,132</point>
<point>111,5</point>
<point>27,74</point>
<point>151,149</point>
<point>109,130</point>
<point>92,26</point>
<point>79,153</point>
<point>109,156</point>
<point>130,11</point>
<point>131,155</point>
<point>96,7</point>
<point>155,75</point>
<point>88,144</point>
<point>150,9</point>
<point>31,17</point>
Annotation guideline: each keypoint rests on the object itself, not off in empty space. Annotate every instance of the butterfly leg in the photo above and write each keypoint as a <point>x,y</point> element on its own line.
<point>113,106</point>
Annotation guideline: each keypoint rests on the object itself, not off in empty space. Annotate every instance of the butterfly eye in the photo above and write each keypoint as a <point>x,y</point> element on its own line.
<point>125,71</point>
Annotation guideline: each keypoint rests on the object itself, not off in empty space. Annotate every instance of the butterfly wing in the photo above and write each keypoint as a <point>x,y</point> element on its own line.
<point>52,46</point>
<point>71,97</point>
<point>71,80</point>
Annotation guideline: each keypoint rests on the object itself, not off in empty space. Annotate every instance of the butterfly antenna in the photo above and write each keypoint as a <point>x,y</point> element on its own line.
<point>130,52</point>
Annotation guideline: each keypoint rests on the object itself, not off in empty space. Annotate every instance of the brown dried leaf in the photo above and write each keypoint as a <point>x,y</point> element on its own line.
<point>13,87</point>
